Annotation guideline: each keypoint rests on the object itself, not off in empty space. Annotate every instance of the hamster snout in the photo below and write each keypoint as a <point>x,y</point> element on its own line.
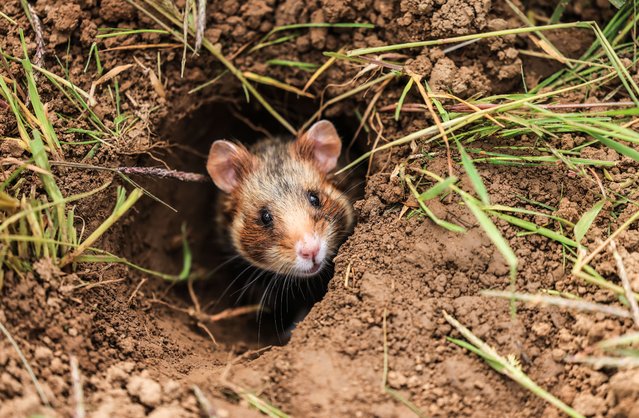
<point>281,210</point>
<point>311,251</point>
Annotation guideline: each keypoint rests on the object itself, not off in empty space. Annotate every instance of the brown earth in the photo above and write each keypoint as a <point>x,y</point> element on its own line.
<point>140,357</point>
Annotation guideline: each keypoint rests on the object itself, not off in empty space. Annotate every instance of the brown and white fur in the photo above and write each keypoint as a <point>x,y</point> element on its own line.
<point>281,209</point>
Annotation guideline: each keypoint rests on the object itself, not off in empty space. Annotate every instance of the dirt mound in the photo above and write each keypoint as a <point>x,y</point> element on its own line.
<point>376,345</point>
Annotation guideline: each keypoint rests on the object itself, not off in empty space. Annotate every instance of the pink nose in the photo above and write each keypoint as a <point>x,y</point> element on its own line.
<point>309,248</point>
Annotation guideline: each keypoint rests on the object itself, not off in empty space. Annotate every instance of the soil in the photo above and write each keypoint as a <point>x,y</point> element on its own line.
<point>141,353</point>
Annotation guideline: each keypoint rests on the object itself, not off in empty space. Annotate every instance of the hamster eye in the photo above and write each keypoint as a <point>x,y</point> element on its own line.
<point>265,217</point>
<point>314,199</point>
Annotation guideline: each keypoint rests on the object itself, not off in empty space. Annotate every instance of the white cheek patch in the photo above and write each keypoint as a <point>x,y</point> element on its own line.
<point>321,256</point>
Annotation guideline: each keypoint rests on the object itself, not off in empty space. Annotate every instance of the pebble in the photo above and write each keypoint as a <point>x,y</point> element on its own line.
<point>148,391</point>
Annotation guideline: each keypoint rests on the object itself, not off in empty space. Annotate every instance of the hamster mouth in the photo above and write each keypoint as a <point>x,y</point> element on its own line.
<point>312,271</point>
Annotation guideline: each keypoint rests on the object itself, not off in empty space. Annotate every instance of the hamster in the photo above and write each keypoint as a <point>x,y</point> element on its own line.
<point>280,208</point>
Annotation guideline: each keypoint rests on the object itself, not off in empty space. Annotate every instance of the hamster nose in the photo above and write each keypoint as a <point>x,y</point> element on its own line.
<point>309,248</point>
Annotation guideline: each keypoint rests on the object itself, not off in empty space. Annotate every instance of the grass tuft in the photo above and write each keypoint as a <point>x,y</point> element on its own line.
<point>508,367</point>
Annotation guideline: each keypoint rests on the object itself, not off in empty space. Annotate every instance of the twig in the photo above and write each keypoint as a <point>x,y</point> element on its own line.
<point>385,359</point>
<point>137,288</point>
<point>347,274</point>
<point>144,171</point>
<point>321,70</point>
<point>34,20</point>
<point>208,332</point>
<point>164,173</point>
<point>368,111</point>
<point>205,405</point>
<point>406,107</point>
<point>78,393</point>
<point>384,64</point>
<point>194,298</point>
<point>37,28</point>
<point>605,361</point>
<point>377,138</point>
<point>201,24</point>
<point>580,305</point>
<point>464,108</point>
<point>438,122</point>
<point>201,316</point>
<point>460,45</point>
<point>88,286</point>
<point>634,307</point>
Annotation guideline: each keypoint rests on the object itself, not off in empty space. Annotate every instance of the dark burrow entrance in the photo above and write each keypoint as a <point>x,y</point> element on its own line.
<point>223,281</point>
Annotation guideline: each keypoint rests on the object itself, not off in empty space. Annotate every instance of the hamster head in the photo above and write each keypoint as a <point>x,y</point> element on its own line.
<point>286,214</point>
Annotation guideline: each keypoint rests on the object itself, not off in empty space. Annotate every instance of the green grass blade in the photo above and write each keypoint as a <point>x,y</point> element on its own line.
<point>437,189</point>
<point>490,360</point>
<point>473,174</point>
<point>186,255</point>
<point>558,12</point>
<point>502,208</point>
<point>458,39</point>
<point>13,104</point>
<point>123,204</point>
<point>444,224</point>
<point>584,223</point>
<point>306,66</point>
<point>493,233</point>
<point>530,226</point>
<point>45,124</point>
<point>622,71</point>
<point>400,102</point>
<point>625,339</point>
<point>617,146</point>
<point>40,158</point>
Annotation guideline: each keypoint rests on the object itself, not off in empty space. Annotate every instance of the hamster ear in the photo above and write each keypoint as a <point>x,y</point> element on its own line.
<point>227,163</point>
<point>322,144</point>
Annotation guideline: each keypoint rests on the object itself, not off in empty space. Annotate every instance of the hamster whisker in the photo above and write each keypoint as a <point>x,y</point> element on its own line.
<point>230,285</point>
<point>219,266</point>
<point>262,304</point>
<point>353,186</point>
<point>251,282</point>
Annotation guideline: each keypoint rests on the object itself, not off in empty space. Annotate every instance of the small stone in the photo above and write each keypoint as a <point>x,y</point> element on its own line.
<point>558,354</point>
<point>396,379</point>
<point>57,367</point>
<point>43,354</point>
<point>171,390</point>
<point>148,391</point>
<point>542,329</point>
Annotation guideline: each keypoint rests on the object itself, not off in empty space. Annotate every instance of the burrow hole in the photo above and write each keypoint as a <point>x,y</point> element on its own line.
<point>225,286</point>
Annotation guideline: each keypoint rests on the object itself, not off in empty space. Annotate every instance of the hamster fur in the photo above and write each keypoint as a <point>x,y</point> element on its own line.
<point>281,209</point>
